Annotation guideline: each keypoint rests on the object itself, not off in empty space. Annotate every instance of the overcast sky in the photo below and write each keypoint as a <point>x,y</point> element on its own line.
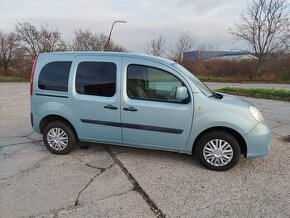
<point>207,20</point>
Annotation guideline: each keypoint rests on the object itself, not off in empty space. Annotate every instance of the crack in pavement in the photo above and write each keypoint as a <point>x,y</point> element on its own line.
<point>115,195</point>
<point>121,152</point>
<point>76,203</point>
<point>35,165</point>
<point>17,136</point>
<point>110,196</point>
<point>285,139</point>
<point>32,141</point>
<point>10,154</point>
<point>55,212</point>
<point>91,166</point>
<point>21,143</point>
<point>136,187</point>
<point>99,168</point>
<point>7,155</point>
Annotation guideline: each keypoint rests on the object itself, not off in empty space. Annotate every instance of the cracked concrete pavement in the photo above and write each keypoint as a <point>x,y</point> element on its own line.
<point>112,181</point>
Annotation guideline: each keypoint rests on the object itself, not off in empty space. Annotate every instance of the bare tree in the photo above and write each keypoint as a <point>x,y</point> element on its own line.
<point>112,46</point>
<point>184,43</point>
<point>156,46</point>
<point>117,48</point>
<point>35,40</point>
<point>7,47</point>
<point>88,41</point>
<point>265,28</point>
<point>51,40</point>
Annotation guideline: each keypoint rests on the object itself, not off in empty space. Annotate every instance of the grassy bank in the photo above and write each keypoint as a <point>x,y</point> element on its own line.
<point>5,79</point>
<point>218,79</point>
<point>274,94</point>
<point>238,80</point>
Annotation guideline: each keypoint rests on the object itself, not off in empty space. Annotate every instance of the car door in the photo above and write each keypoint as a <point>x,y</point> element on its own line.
<point>96,98</point>
<point>150,115</point>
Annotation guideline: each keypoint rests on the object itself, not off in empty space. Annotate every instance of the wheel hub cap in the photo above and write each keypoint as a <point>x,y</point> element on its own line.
<point>218,152</point>
<point>57,139</point>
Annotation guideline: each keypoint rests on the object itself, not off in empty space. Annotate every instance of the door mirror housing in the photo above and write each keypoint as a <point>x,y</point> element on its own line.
<point>181,93</point>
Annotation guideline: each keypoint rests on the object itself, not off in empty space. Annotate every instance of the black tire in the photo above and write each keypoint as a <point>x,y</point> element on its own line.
<point>71,137</point>
<point>223,136</point>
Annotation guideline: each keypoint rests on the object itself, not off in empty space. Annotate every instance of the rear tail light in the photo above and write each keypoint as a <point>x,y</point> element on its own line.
<point>32,75</point>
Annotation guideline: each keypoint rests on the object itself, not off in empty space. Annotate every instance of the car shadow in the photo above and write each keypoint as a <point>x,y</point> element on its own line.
<point>142,153</point>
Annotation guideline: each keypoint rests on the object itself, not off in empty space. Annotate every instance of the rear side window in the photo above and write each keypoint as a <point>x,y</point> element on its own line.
<point>54,76</point>
<point>96,78</point>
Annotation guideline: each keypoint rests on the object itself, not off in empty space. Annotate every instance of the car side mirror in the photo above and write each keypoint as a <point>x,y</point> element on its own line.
<point>181,93</point>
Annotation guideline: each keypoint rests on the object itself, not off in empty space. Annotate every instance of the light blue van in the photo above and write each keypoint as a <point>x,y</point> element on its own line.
<point>140,101</point>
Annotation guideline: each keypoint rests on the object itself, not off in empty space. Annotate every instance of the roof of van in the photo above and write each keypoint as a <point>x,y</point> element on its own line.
<point>115,54</point>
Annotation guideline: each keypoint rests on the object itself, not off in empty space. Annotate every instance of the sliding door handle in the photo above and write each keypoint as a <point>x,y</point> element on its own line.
<point>129,109</point>
<point>111,107</point>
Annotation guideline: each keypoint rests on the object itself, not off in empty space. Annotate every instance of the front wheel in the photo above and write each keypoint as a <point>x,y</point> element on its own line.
<point>218,150</point>
<point>59,138</point>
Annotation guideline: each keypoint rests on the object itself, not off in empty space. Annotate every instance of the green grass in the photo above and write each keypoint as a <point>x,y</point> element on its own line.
<point>217,79</point>
<point>284,79</point>
<point>274,94</point>
<point>5,79</point>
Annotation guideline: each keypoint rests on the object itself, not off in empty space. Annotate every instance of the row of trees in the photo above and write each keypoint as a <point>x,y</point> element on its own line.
<point>26,41</point>
<point>264,27</point>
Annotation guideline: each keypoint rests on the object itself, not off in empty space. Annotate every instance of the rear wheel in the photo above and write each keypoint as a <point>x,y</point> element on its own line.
<point>59,138</point>
<point>218,150</point>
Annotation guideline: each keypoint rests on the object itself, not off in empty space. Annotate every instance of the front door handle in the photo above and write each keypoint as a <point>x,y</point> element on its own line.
<point>129,109</point>
<point>111,107</point>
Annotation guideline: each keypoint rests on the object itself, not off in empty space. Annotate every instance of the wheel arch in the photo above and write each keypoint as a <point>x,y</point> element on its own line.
<point>237,135</point>
<point>53,117</point>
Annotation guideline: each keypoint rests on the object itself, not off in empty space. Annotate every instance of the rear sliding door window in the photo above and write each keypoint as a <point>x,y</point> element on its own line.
<point>54,76</point>
<point>96,78</point>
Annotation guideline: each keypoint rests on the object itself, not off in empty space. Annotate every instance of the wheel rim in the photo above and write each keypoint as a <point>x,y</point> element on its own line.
<point>218,152</point>
<point>57,139</point>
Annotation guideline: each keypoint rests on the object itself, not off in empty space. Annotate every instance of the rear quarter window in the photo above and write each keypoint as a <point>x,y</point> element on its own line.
<point>54,76</point>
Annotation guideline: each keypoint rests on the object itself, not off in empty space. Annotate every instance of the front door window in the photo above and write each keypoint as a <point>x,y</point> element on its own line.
<point>149,83</point>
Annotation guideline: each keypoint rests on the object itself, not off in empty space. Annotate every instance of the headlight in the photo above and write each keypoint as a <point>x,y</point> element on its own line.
<point>256,114</point>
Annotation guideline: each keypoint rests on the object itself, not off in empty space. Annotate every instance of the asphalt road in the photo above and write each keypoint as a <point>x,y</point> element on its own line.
<point>113,181</point>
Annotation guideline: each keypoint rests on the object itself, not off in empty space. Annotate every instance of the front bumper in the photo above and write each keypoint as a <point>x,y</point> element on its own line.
<point>258,141</point>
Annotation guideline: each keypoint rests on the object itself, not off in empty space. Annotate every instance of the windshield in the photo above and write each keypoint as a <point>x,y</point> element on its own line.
<point>203,88</point>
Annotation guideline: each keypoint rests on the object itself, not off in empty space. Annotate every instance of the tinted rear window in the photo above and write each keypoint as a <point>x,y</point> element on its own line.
<point>54,76</point>
<point>96,78</point>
